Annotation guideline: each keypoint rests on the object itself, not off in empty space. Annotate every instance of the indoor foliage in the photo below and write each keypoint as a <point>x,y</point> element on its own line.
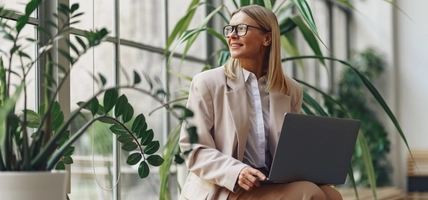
<point>354,96</point>
<point>39,140</point>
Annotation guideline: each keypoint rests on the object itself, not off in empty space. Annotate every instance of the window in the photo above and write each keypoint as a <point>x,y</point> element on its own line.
<point>137,40</point>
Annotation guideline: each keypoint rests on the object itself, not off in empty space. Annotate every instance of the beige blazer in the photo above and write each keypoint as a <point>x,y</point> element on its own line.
<point>221,117</point>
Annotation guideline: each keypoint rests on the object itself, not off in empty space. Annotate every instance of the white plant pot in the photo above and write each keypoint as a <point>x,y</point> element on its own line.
<point>33,185</point>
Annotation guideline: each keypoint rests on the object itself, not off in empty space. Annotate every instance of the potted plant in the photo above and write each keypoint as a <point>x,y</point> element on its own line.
<point>38,142</point>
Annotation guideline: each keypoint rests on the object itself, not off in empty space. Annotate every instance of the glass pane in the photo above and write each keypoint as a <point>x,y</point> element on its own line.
<point>321,75</point>
<point>28,31</point>
<point>142,21</point>
<point>97,14</point>
<point>17,5</point>
<point>198,48</point>
<point>339,27</point>
<point>132,187</point>
<point>187,68</point>
<point>93,151</point>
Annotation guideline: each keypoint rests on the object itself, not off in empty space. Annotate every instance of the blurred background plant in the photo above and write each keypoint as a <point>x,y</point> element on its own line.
<point>359,104</point>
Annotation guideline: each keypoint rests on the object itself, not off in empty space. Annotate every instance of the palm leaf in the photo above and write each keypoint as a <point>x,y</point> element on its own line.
<point>201,25</point>
<point>306,12</point>
<point>369,86</point>
<point>168,155</point>
<point>182,24</point>
<point>289,45</point>
<point>381,102</point>
<point>309,36</point>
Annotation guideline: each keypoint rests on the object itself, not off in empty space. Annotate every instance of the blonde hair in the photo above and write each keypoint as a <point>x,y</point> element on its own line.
<point>275,78</point>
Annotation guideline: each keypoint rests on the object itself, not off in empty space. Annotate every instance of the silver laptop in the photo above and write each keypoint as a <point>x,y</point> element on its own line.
<point>313,148</point>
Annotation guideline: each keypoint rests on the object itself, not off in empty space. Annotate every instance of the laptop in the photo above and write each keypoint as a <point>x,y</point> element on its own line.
<point>314,148</point>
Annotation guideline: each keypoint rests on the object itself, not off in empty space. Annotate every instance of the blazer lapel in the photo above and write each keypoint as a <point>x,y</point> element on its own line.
<point>279,105</point>
<point>237,99</point>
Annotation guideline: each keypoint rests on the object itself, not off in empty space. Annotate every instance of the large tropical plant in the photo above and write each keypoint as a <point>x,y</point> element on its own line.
<point>39,140</point>
<point>301,23</point>
<point>353,95</point>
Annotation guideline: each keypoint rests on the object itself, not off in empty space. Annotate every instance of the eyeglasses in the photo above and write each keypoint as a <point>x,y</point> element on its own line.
<point>240,29</point>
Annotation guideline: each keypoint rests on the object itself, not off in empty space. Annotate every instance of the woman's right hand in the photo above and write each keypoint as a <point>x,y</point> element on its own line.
<point>249,177</point>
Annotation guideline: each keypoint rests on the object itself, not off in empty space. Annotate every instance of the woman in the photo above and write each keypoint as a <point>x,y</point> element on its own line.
<point>238,111</point>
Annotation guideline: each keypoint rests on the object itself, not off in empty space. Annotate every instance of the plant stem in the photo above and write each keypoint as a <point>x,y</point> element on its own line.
<point>25,147</point>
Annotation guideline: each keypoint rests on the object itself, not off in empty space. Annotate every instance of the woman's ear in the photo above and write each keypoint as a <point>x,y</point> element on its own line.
<point>268,39</point>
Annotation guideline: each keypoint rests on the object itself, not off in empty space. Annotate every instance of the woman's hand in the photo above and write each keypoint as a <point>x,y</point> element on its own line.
<point>249,177</point>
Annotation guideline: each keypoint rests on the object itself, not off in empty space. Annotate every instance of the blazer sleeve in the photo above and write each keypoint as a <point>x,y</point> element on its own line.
<point>207,162</point>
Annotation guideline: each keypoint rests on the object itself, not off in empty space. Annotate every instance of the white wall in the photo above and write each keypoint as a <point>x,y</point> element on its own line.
<point>412,72</point>
<point>404,83</point>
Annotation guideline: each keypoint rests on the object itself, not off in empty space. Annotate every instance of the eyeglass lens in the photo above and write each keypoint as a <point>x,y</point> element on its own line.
<point>240,30</point>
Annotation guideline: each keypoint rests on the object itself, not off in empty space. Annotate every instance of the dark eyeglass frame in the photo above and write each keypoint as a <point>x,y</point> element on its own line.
<point>240,35</point>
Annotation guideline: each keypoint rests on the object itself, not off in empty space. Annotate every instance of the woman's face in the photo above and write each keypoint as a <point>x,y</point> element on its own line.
<point>253,44</point>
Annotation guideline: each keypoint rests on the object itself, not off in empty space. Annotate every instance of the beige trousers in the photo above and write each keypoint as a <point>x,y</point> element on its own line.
<point>301,190</point>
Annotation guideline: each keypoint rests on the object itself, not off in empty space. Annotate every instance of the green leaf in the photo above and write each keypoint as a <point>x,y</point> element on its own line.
<point>64,138</point>
<point>178,159</point>
<point>77,15</point>
<point>51,23</point>
<point>63,8</point>
<point>67,160</point>
<point>195,34</point>
<point>66,54</point>
<point>94,106</point>
<point>290,46</point>
<point>118,129</point>
<point>367,162</point>
<point>57,121</point>
<point>69,151</point>
<point>128,113</point>
<point>351,177</point>
<point>306,12</point>
<point>71,45</point>
<point>21,22</point>
<point>182,24</point>
<point>80,41</point>
<point>60,166</point>
<point>137,78</point>
<point>121,105</point>
<point>152,147</point>
<point>33,116</point>
<point>286,26</point>
<point>193,134</point>
<point>143,170</point>
<point>74,7</point>
<point>107,120</point>
<point>100,110</point>
<point>23,54</point>
<point>224,57</point>
<point>103,79</point>
<point>134,158</point>
<point>110,99</point>
<point>14,49</point>
<point>185,111</point>
<point>130,146</point>
<point>268,4</point>
<point>244,2</point>
<point>147,137</point>
<point>139,123</point>
<point>155,160</point>
<point>310,38</point>
<point>125,138</point>
<point>308,99</point>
